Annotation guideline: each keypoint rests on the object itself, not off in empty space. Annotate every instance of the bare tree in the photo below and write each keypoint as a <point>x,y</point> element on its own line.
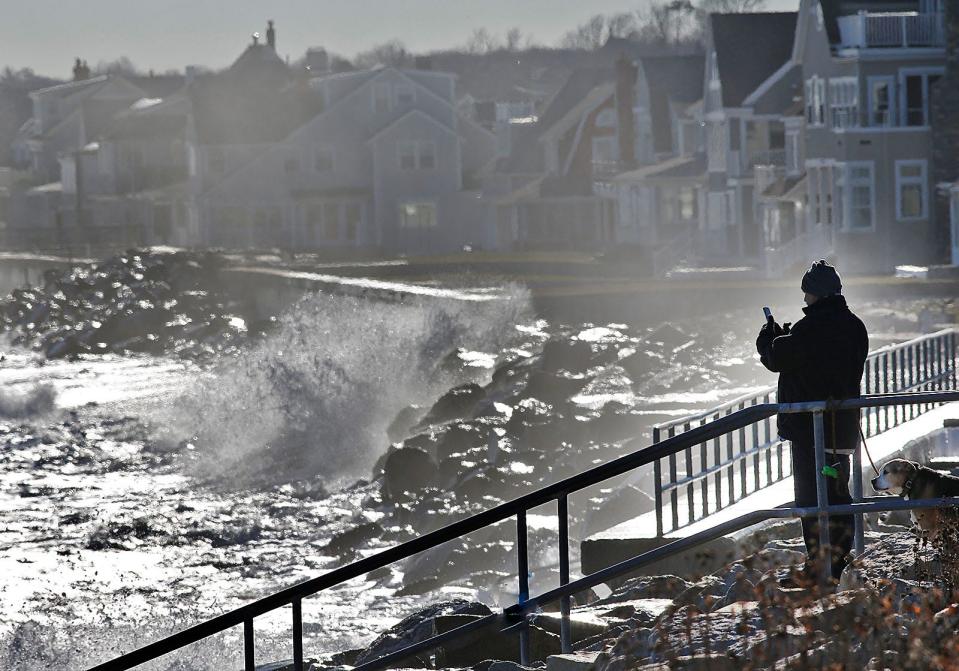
<point>392,53</point>
<point>119,66</point>
<point>621,25</point>
<point>514,39</point>
<point>590,35</point>
<point>731,6</point>
<point>481,41</point>
<point>667,21</point>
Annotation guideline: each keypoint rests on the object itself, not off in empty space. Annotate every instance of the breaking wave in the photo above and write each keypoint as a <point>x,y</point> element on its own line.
<point>34,401</point>
<point>315,397</point>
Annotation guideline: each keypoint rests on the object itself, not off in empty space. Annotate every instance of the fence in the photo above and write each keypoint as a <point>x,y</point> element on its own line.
<point>729,468</point>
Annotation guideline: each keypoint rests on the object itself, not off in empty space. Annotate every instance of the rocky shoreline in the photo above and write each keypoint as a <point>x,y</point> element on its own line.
<point>892,610</point>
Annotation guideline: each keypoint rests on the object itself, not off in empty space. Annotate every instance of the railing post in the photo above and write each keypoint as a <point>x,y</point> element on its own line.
<point>297,635</point>
<point>566,643</point>
<point>859,541</point>
<point>822,501</point>
<point>658,488</point>
<point>522,559</point>
<point>249,663</point>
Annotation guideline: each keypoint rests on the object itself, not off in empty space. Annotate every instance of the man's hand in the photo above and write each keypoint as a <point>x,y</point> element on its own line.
<point>771,330</point>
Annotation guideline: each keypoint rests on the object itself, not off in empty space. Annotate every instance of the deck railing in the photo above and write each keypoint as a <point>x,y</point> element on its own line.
<point>710,476</point>
<point>891,29</point>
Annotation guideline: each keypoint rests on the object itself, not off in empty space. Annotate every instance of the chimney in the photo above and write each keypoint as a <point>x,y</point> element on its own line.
<point>270,35</point>
<point>80,70</point>
<point>423,62</point>
<point>626,73</point>
<point>317,60</point>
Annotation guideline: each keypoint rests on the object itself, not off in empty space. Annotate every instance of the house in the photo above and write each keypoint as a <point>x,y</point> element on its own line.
<point>869,70</point>
<point>657,202</point>
<point>550,192</point>
<point>369,160</point>
<point>748,82</point>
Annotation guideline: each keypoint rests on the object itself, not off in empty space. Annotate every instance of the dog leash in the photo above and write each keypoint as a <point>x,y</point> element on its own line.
<point>866,448</point>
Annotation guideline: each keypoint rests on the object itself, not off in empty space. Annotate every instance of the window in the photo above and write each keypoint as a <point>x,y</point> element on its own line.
<point>687,203</point>
<point>331,221</point>
<point>418,215</point>
<point>323,160</point>
<point>407,152</point>
<point>215,160</point>
<point>404,96</point>
<point>415,155</point>
<point>314,222</point>
<point>910,190</point>
<point>915,89</point>
<point>857,180</point>
<point>606,118</point>
<point>381,98</point>
<point>815,101</point>
<point>604,150</point>
<point>844,102</point>
<point>793,153</point>
<point>354,216</point>
<point>427,156</point>
<point>881,95</point>
<point>735,134</point>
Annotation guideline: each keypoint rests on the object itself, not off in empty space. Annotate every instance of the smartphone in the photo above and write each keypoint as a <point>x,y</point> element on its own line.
<point>768,313</point>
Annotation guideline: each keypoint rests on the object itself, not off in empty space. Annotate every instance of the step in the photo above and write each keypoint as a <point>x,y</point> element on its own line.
<point>576,661</point>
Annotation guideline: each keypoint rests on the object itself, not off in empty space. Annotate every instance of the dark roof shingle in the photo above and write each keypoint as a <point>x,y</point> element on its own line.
<point>750,48</point>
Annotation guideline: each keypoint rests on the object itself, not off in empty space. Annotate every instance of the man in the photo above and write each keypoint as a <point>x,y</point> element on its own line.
<point>820,358</point>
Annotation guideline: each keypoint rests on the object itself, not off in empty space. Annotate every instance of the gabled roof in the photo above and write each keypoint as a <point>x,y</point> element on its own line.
<point>749,48</point>
<point>671,79</point>
<point>68,87</point>
<point>410,114</point>
<point>527,154</point>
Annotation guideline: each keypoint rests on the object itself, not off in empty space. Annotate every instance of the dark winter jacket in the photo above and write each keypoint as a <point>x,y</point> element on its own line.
<point>821,358</point>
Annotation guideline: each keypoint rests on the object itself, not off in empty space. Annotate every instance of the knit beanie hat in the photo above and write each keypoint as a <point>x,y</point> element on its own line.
<point>821,280</point>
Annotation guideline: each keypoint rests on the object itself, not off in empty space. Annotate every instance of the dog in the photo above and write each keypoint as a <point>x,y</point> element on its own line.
<point>912,480</point>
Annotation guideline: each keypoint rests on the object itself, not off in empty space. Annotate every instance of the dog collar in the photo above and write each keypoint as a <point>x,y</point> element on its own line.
<point>907,487</point>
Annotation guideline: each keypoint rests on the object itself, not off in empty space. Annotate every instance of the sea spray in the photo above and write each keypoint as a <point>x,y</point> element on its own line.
<point>316,395</point>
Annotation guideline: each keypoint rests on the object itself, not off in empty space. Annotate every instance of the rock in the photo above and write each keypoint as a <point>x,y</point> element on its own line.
<point>574,356</point>
<point>478,646</point>
<point>405,420</point>
<point>553,387</point>
<point>578,661</point>
<point>459,438</point>
<point>418,627</point>
<point>407,469</point>
<point>741,590</point>
<point>671,336</point>
<point>648,587</point>
<point>347,541</point>
<point>457,403</point>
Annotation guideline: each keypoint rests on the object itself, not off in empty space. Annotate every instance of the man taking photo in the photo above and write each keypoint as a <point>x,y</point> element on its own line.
<point>820,358</point>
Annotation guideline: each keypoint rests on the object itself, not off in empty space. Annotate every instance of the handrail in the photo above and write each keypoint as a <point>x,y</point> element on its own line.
<point>557,491</point>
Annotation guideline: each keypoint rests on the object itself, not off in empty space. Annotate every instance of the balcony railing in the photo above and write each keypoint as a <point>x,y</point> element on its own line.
<point>775,157</point>
<point>893,29</point>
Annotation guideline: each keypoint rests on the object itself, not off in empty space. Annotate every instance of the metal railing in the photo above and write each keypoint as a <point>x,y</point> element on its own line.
<point>892,29</point>
<point>513,618</point>
<point>708,477</point>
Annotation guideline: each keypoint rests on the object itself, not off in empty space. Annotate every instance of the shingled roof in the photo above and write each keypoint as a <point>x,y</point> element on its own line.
<point>671,79</point>
<point>749,48</point>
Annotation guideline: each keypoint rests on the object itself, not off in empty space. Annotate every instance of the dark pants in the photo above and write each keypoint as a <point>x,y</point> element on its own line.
<point>841,527</point>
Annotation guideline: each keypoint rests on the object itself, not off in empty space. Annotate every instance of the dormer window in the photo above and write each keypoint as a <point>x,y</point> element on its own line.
<point>606,118</point>
<point>382,98</point>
